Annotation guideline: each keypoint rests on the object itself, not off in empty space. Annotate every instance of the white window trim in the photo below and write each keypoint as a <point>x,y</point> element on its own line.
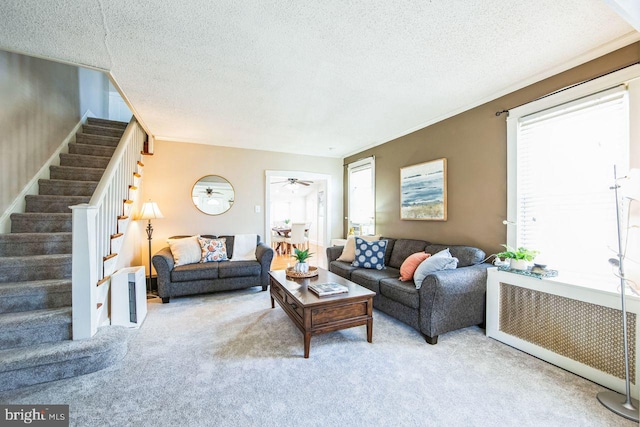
<point>353,167</point>
<point>624,76</point>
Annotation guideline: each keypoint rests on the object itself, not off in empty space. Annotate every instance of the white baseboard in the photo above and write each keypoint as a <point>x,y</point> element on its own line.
<point>18,204</point>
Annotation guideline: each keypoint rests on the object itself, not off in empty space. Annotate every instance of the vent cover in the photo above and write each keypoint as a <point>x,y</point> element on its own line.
<point>588,333</point>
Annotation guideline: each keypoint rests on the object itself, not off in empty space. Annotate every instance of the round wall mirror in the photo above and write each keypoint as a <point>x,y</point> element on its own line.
<point>213,195</point>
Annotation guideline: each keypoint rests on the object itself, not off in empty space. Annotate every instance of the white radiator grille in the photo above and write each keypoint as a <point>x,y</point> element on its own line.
<point>588,333</point>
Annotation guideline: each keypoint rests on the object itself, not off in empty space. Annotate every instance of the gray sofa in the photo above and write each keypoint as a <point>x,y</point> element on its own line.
<point>448,299</point>
<point>199,278</point>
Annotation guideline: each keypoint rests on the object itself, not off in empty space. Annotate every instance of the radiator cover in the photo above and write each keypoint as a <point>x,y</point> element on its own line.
<point>588,333</point>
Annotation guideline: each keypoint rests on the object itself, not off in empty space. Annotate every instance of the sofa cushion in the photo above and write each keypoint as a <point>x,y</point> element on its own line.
<point>230,244</point>
<point>467,255</point>
<point>213,249</point>
<point>238,269</point>
<point>244,247</point>
<point>185,273</point>
<point>370,278</point>
<point>370,254</point>
<point>437,262</point>
<point>410,264</point>
<point>403,292</point>
<point>403,248</point>
<point>185,250</point>
<point>390,243</point>
<point>349,250</point>
<point>342,268</point>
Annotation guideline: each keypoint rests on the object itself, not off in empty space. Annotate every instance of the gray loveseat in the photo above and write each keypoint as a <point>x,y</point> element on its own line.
<point>206,277</point>
<point>448,299</point>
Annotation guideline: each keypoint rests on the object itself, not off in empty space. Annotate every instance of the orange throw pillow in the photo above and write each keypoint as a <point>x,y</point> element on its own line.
<point>410,265</point>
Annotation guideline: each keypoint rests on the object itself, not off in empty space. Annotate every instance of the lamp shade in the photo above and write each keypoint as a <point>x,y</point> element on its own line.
<point>150,210</point>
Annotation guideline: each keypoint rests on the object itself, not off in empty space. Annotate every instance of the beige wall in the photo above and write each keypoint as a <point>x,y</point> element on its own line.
<point>40,106</point>
<point>173,169</point>
<point>474,143</point>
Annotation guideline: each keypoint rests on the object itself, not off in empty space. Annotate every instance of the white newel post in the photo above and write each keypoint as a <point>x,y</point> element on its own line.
<point>84,276</point>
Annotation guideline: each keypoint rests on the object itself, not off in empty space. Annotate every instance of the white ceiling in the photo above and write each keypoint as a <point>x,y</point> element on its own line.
<point>326,78</point>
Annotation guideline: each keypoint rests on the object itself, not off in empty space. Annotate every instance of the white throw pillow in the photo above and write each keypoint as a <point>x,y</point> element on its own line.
<point>349,250</point>
<point>244,247</point>
<point>185,251</point>
<point>440,261</point>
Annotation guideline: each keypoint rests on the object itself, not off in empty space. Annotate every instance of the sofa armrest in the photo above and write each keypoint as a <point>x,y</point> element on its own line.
<point>453,299</point>
<point>264,255</point>
<point>163,263</point>
<point>333,253</point>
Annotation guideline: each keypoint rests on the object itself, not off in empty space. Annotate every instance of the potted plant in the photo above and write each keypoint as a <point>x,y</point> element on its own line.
<point>519,259</point>
<point>301,256</point>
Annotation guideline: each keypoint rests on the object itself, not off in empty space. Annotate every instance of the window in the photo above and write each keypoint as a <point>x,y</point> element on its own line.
<point>361,196</point>
<point>562,153</point>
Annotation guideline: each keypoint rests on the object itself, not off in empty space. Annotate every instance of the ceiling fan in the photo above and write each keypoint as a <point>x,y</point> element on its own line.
<point>294,181</point>
<point>210,193</point>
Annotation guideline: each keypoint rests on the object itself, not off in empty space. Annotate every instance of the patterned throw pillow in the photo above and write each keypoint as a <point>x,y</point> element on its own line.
<point>370,254</point>
<point>213,249</point>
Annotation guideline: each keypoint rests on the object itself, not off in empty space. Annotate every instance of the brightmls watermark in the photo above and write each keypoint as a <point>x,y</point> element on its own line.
<point>34,415</point>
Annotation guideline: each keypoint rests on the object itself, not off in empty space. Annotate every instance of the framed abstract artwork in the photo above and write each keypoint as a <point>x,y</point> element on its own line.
<point>423,191</point>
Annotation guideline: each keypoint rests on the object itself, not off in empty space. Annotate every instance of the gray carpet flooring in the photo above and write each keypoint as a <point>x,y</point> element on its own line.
<point>228,359</point>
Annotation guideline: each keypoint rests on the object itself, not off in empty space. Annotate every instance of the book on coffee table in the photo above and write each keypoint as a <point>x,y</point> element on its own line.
<point>324,289</point>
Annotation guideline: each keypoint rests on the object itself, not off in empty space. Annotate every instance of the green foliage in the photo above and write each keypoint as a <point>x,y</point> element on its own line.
<point>301,256</point>
<point>520,253</point>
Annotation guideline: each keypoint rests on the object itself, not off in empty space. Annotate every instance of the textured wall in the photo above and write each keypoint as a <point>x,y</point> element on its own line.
<point>171,172</point>
<point>39,108</point>
<point>475,144</point>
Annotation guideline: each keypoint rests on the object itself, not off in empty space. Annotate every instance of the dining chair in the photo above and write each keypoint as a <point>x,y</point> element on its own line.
<point>297,236</point>
<point>277,241</point>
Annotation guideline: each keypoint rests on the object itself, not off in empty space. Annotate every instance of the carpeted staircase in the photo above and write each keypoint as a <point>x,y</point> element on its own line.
<point>35,272</point>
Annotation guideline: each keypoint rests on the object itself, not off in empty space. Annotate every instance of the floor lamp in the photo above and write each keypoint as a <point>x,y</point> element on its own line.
<point>624,406</point>
<point>150,211</point>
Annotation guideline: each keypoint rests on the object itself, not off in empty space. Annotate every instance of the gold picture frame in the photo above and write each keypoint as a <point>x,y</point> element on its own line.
<point>423,191</point>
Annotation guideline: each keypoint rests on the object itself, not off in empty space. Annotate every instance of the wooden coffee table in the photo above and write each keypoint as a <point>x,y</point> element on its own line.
<point>315,315</point>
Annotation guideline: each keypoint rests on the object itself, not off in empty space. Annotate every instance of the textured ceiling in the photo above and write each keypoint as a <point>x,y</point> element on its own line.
<point>325,78</point>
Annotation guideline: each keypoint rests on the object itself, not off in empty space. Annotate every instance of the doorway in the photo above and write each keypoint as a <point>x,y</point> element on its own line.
<point>299,197</point>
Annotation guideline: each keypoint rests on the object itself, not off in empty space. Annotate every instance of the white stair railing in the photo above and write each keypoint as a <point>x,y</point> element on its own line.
<point>93,225</point>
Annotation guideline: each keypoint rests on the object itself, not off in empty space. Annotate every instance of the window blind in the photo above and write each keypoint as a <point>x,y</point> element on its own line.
<point>565,159</point>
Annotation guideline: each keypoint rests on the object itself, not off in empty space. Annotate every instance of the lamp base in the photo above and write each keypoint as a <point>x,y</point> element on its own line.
<point>615,402</point>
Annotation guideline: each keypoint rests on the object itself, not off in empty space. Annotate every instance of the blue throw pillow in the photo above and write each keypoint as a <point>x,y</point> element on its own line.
<point>370,254</point>
<point>440,261</point>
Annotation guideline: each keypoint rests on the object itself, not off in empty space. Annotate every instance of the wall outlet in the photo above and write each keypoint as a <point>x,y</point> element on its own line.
<point>257,208</point>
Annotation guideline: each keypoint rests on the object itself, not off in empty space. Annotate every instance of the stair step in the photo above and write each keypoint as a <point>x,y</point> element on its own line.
<point>25,366</point>
<point>76,174</point>
<point>84,161</point>
<point>34,295</point>
<point>40,222</point>
<point>87,138</point>
<point>35,267</point>
<point>91,150</point>
<point>34,327</point>
<point>94,121</point>
<point>99,130</point>
<point>66,187</point>
<point>54,204</point>
<point>23,244</point>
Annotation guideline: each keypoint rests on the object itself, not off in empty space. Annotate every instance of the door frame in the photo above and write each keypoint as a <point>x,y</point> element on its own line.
<point>326,237</point>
